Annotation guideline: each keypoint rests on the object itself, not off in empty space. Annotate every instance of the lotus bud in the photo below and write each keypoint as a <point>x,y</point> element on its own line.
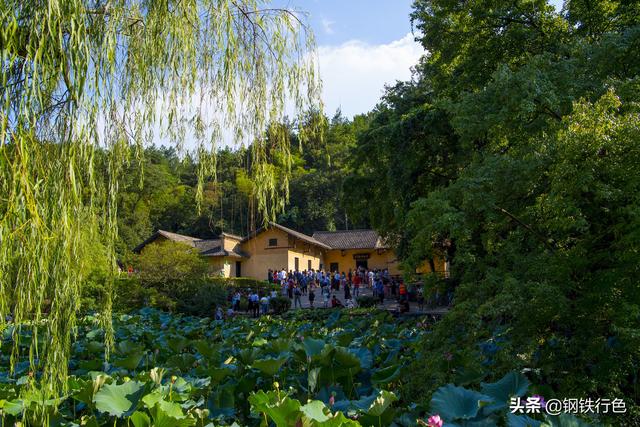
<point>435,421</point>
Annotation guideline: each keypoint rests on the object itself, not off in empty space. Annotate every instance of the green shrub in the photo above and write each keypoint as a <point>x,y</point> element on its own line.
<point>193,296</point>
<point>171,268</point>
<point>280,304</point>
<point>203,298</point>
<point>366,301</point>
<point>243,284</point>
<point>130,294</point>
<point>94,293</point>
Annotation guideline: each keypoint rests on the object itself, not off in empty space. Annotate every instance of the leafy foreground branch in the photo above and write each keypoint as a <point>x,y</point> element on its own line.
<point>84,86</point>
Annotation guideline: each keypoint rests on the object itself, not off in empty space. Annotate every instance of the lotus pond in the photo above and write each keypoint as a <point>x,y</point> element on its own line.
<point>328,367</point>
<point>307,368</point>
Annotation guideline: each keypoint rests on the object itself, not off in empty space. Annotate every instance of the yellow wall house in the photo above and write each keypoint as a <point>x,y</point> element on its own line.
<point>277,247</point>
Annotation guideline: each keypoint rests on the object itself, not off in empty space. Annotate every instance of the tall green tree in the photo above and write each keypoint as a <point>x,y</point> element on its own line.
<point>76,74</point>
<point>318,182</point>
<point>512,152</point>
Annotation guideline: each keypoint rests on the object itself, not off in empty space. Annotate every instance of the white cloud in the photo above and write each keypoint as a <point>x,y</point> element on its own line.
<point>354,73</point>
<point>327,26</point>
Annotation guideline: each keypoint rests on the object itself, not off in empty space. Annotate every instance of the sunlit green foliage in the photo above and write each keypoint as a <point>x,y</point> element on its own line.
<point>169,265</point>
<point>76,74</point>
<point>516,145</point>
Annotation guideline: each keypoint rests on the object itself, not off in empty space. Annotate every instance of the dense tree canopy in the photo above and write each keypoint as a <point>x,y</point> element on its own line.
<point>512,152</point>
<point>167,199</point>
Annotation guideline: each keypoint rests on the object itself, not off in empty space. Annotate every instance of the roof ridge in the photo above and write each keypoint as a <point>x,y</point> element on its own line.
<point>163,232</point>
<point>346,231</point>
<point>310,239</point>
<point>224,233</point>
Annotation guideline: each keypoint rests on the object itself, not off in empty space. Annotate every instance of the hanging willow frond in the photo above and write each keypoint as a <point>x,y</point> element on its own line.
<point>114,74</point>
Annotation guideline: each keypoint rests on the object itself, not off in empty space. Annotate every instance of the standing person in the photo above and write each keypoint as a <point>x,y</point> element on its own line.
<point>296,300</point>
<point>347,291</point>
<point>420,299</point>
<point>370,277</point>
<point>303,283</point>
<point>312,296</point>
<point>356,286</point>
<point>270,276</point>
<point>235,302</point>
<point>402,290</point>
<point>264,302</point>
<point>290,286</point>
<point>380,290</point>
<point>255,304</point>
<point>249,301</point>
<point>326,292</point>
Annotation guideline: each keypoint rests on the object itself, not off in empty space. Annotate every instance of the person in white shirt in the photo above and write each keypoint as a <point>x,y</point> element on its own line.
<point>264,303</point>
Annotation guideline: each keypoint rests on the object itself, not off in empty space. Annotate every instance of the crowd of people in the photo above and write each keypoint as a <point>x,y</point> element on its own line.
<point>330,284</point>
<point>324,289</point>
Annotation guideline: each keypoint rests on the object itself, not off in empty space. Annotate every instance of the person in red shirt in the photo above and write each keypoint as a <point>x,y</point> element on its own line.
<point>403,291</point>
<point>356,285</point>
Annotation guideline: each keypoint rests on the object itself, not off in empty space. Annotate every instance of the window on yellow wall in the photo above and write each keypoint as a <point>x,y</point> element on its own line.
<point>273,242</point>
<point>309,265</point>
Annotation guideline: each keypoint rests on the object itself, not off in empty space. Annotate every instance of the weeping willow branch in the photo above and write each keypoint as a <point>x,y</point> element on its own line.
<point>83,75</point>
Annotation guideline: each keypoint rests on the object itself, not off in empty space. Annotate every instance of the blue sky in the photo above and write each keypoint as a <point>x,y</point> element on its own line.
<point>362,45</point>
<point>370,21</point>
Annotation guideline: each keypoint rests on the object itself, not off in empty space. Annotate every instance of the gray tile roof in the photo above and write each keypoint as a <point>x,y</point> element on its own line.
<point>351,239</point>
<point>346,239</point>
<point>301,236</point>
<point>206,247</point>
<point>294,233</point>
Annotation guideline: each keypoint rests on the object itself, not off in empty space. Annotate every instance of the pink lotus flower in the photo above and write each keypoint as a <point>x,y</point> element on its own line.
<point>332,400</point>
<point>435,421</point>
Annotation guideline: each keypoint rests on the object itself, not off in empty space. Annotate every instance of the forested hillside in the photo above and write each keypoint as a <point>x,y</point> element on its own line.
<point>161,193</point>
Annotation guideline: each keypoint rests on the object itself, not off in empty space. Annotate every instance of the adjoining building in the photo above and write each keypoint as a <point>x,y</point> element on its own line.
<point>278,247</point>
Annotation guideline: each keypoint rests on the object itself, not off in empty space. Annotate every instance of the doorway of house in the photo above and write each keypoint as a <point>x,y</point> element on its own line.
<point>361,263</point>
<point>238,268</point>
